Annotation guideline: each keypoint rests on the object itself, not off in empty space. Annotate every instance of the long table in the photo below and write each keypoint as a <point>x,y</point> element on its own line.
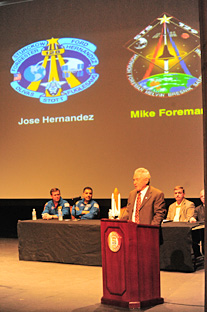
<point>79,242</point>
<point>179,242</point>
<point>64,241</point>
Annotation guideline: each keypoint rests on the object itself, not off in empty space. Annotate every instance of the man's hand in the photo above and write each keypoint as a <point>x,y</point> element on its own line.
<point>192,219</point>
<point>46,216</point>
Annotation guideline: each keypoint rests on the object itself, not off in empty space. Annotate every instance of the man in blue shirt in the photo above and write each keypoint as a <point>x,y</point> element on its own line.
<point>86,208</point>
<point>51,207</point>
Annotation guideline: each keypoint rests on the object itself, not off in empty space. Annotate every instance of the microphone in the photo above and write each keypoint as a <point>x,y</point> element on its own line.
<point>74,200</point>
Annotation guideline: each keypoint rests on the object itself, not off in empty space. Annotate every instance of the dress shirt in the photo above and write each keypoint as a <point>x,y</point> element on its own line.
<point>177,213</point>
<point>143,192</point>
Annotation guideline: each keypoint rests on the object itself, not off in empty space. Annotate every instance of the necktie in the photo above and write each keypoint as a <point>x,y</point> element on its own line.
<point>138,205</point>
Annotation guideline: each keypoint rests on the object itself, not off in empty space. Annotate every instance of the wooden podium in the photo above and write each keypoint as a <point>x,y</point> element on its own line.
<point>130,264</point>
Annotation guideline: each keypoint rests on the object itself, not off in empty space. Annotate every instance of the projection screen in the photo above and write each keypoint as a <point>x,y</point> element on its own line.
<point>92,90</point>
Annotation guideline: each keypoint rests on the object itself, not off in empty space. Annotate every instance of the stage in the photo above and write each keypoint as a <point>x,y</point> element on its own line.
<point>29,286</point>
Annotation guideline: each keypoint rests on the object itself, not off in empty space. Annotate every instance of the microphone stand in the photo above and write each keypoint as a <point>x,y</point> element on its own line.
<point>74,202</point>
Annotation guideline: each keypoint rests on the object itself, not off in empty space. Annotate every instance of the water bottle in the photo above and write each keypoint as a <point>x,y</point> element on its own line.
<point>60,215</point>
<point>34,216</point>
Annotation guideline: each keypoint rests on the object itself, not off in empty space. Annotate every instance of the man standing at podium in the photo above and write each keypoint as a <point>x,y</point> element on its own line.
<point>146,204</point>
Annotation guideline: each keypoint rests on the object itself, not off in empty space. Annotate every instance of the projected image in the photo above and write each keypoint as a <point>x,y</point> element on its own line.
<point>92,90</point>
<point>166,58</point>
<point>53,69</point>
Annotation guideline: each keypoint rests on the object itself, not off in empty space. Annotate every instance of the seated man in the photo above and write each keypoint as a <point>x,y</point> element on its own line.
<point>86,208</point>
<point>182,210</point>
<point>51,207</point>
<point>199,213</point>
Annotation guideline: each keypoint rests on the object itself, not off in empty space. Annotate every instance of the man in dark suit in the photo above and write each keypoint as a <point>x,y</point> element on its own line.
<point>151,207</point>
<point>199,213</point>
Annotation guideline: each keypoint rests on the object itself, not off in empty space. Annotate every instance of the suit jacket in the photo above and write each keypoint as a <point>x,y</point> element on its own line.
<point>186,211</point>
<point>199,213</point>
<point>152,210</point>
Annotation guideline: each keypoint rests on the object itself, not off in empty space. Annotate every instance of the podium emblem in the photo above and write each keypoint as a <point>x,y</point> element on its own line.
<point>114,241</point>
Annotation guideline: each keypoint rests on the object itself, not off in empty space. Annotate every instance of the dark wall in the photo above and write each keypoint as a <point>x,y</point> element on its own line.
<point>13,210</point>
